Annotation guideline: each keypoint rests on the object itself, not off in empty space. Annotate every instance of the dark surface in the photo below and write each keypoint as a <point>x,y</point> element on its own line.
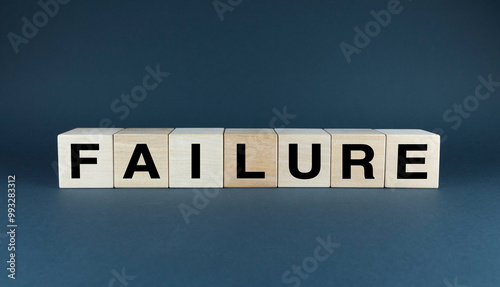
<point>237,73</point>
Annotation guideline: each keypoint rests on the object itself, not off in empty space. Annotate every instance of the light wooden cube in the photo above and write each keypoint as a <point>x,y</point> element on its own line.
<point>412,159</point>
<point>257,151</point>
<point>141,157</point>
<point>297,150</point>
<point>358,158</point>
<point>196,157</point>
<point>85,158</point>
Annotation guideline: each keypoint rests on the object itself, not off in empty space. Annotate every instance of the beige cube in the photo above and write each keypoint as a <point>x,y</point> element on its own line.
<point>303,158</point>
<point>141,157</point>
<point>358,158</point>
<point>412,158</point>
<point>250,158</point>
<point>85,157</point>
<point>196,157</point>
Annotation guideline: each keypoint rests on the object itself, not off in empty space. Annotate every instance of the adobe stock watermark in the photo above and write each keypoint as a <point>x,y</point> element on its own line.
<point>200,202</point>
<point>120,279</point>
<point>457,114</point>
<point>123,105</point>
<point>29,29</point>
<point>372,29</point>
<point>137,94</point>
<point>321,253</point>
<point>284,117</point>
<point>455,283</point>
<point>223,6</point>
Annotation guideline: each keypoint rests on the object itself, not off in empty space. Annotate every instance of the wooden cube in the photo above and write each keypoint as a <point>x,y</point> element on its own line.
<point>358,158</point>
<point>85,158</point>
<point>303,158</point>
<point>412,158</point>
<point>196,157</point>
<point>250,158</point>
<point>141,157</point>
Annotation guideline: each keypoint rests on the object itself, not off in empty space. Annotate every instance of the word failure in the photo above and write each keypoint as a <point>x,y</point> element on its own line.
<point>218,157</point>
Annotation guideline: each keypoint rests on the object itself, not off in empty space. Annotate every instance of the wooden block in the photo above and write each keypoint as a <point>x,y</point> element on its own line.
<point>196,157</point>
<point>85,158</point>
<point>412,159</point>
<point>141,157</point>
<point>358,158</point>
<point>250,158</point>
<point>303,158</point>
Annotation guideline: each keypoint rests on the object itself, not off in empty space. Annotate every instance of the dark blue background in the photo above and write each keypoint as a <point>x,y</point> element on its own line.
<point>238,72</point>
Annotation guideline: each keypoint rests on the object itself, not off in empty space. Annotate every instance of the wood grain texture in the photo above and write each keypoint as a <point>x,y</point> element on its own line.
<point>375,140</point>
<point>211,144</point>
<point>126,141</point>
<point>261,156</point>
<point>98,175</point>
<point>394,140</point>
<point>304,138</point>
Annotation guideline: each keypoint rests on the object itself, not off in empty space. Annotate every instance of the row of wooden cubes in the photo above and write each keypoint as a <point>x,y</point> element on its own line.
<point>218,157</point>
